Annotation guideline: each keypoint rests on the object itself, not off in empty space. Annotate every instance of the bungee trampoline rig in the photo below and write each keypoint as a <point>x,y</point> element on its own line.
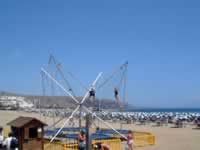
<point>66,138</point>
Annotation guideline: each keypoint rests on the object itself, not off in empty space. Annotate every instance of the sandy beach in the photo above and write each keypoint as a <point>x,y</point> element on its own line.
<point>167,138</point>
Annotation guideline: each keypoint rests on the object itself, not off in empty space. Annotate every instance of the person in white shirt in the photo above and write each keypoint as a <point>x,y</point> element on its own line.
<point>1,137</point>
<point>8,142</point>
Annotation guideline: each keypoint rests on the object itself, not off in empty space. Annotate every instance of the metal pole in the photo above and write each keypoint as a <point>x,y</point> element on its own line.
<point>80,115</point>
<point>71,116</point>
<point>107,124</point>
<point>52,78</point>
<point>99,112</point>
<point>88,131</point>
<point>43,91</point>
<point>74,98</point>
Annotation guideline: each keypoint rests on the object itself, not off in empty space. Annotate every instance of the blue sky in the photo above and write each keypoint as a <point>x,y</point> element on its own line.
<point>160,39</point>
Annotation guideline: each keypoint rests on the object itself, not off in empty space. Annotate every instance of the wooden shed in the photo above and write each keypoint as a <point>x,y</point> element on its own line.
<point>29,132</point>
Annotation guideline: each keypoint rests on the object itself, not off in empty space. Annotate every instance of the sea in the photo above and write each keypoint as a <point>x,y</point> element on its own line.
<point>181,110</point>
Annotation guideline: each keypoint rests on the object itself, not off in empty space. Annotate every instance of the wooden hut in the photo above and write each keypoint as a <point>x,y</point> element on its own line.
<point>29,132</point>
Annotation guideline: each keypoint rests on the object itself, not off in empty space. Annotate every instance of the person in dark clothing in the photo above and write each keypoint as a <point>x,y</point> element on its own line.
<point>116,92</point>
<point>1,137</point>
<point>92,95</point>
<point>11,143</point>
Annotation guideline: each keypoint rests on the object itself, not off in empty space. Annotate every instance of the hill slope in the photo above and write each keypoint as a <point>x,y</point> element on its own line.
<point>16,101</point>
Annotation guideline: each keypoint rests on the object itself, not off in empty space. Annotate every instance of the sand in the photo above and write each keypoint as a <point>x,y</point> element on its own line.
<point>167,138</point>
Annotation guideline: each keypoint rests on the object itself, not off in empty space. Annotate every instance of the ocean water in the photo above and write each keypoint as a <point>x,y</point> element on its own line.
<point>186,110</point>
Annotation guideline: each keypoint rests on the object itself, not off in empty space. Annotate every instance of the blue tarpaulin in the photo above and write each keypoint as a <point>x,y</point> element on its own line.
<point>70,129</point>
<point>49,133</point>
<point>104,133</point>
<point>93,136</point>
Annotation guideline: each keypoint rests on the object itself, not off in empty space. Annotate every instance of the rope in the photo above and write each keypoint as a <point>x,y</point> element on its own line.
<point>121,80</point>
<point>79,81</point>
<point>60,86</point>
<point>113,74</point>
<point>93,84</point>
<point>43,90</point>
<point>107,124</point>
<point>58,68</point>
<point>71,116</point>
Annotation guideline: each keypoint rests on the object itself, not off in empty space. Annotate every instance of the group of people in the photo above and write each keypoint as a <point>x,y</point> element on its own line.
<point>92,94</point>
<point>102,146</point>
<point>9,143</point>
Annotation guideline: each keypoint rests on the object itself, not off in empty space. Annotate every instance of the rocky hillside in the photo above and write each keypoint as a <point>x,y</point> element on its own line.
<point>16,101</point>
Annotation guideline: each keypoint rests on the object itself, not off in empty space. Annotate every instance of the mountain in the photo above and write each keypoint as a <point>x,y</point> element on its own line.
<point>18,101</point>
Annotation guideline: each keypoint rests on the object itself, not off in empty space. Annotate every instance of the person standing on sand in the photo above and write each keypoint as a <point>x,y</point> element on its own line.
<point>130,140</point>
<point>1,137</point>
<point>11,142</point>
<point>82,140</point>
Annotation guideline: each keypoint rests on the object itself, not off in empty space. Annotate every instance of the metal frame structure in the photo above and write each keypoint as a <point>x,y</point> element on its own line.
<point>79,104</point>
<point>121,83</point>
<point>71,93</point>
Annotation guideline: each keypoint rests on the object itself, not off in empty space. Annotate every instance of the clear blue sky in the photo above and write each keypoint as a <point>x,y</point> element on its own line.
<point>160,39</point>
